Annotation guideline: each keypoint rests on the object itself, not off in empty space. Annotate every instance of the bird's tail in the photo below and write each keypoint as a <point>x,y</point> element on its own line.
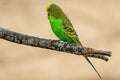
<point>84,50</point>
<point>92,66</point>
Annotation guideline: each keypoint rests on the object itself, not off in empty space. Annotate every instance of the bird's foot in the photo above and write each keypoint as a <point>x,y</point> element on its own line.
<point>81,48</point>
<point>62,46</point>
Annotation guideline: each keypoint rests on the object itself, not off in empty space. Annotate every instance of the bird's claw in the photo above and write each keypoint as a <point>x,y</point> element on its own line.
<point>62,46</point>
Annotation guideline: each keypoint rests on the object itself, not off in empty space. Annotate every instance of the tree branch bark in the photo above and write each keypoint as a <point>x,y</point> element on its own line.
<point>51,44</point>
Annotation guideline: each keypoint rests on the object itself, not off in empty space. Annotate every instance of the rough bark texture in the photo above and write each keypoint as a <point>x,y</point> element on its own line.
<point>51,44</point>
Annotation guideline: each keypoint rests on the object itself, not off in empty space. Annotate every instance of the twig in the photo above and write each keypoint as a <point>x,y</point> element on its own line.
<point>51,44</point>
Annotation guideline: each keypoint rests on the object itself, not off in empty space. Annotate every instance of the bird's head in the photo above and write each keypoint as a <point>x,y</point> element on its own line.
<point>54,11</point>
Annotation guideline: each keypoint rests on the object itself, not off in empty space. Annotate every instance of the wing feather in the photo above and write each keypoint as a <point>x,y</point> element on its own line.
<point>69,30</point>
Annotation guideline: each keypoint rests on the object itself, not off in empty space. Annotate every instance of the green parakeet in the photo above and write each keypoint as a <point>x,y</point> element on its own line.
<point>63,28</point>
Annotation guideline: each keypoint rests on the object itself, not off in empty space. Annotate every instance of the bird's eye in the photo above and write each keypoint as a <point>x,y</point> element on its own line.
<point>48,14</point>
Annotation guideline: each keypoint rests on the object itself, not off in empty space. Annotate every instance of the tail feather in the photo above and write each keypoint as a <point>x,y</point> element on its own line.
<point>84,50</point>
<point>93,66</point>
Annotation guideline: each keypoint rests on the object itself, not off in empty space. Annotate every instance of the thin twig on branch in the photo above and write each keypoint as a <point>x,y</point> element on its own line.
<point>51,44</point>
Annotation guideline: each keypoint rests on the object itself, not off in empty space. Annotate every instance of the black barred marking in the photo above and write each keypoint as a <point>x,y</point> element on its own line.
<point>69,30</point>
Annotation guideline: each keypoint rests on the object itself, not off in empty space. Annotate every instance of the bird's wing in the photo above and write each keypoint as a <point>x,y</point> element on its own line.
<point>69,30</point>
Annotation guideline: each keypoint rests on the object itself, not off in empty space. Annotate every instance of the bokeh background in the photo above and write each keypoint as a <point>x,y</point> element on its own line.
<point>97,23</point>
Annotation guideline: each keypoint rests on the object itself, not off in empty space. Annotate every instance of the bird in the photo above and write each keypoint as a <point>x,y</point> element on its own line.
<point>63,28</point>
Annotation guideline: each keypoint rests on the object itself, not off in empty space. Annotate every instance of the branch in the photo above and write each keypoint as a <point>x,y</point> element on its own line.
<point>51,44</point>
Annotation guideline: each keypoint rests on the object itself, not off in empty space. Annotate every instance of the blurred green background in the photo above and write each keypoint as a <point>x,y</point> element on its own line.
<point>97,22</point>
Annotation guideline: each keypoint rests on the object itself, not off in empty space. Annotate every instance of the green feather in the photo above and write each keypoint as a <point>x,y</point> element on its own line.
<point>58,28</point>
<point>63,28</point>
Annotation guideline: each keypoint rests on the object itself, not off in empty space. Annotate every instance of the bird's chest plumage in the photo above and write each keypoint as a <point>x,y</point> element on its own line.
<point>58,28</point>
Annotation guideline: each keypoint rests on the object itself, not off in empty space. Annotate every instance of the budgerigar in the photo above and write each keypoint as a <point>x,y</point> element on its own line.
<point>63,28</point>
